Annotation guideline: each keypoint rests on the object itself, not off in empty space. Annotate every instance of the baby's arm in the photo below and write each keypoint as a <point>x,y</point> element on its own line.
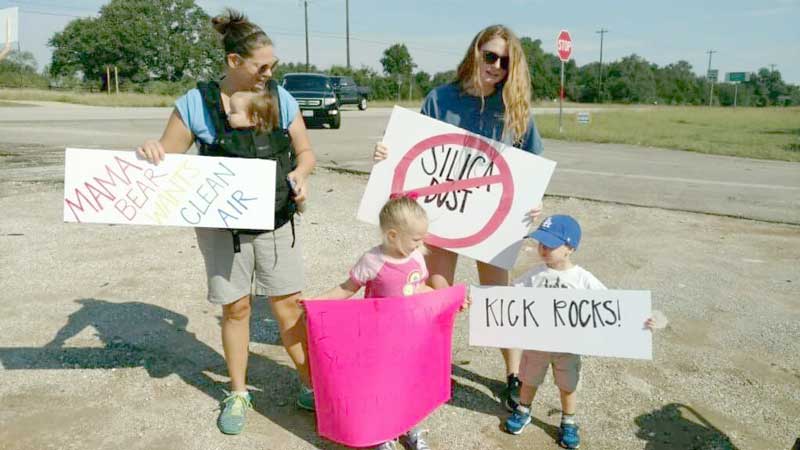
<point>345,290</point>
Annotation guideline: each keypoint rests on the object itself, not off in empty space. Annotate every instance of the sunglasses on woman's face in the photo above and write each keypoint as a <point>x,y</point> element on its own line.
<point>492,57</point>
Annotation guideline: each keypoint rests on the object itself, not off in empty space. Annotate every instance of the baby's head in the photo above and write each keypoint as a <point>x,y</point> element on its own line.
<point>253,109</point>
<point>404,225</point>
<point>558,238</point>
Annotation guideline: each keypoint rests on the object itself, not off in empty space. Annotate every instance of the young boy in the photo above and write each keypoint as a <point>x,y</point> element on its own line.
<point>558,238</point>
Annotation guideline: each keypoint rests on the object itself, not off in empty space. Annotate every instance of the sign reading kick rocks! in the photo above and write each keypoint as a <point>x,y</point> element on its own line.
<point>106,186</point>
<point>477,192</point>
<point>584,322</point>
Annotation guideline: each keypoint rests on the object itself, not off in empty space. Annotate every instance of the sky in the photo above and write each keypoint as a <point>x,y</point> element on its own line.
<point>746,35</point>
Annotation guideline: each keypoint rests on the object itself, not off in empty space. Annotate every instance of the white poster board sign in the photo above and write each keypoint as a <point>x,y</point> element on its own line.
<point>9,21</point>
<point>584,322</point>
<point>477,192</point>
<point>107,186</point>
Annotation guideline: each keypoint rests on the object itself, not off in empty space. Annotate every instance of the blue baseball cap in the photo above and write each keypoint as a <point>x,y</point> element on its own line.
<point>558,230</point>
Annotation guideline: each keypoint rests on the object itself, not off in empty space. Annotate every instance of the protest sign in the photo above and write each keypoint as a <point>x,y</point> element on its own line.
<point>585,322</point>
<point>476,191</point>
<point>380,366</point>
<point>106,186</point>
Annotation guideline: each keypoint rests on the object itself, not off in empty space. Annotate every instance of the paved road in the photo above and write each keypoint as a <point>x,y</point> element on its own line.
<point>755,189</point>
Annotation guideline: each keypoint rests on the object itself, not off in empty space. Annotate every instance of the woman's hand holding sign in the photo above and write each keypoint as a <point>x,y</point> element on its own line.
<point>380,153</point>
<point>151,150</point>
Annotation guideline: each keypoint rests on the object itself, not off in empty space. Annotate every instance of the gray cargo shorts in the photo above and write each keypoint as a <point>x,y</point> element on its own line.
<point>267,261</point>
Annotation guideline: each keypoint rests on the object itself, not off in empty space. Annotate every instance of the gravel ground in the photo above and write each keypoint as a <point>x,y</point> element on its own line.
<point>106,340</point>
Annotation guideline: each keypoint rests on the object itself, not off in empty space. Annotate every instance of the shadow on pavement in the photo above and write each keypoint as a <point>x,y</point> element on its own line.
<point>137,334</point>
<point>678,426</point>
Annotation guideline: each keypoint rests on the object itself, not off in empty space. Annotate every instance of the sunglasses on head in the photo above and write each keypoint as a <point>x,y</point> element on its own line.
<point>492,57</point>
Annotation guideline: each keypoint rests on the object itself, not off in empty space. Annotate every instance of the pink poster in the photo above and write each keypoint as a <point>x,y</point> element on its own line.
<point>380,366</point>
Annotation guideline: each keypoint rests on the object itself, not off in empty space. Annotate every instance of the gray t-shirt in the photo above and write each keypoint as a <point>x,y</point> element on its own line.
<point>450,104</point>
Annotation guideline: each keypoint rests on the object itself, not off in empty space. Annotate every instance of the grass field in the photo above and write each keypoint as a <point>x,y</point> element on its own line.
<point>83,98</point>
<point>763,133</point>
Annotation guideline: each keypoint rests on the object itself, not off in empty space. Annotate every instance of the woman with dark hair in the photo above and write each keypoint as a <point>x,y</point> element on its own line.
<point>491,96</point>
<point>233,259</point>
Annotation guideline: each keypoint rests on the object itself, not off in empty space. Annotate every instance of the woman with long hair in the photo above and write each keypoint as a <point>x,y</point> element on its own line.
<point>491,96</point>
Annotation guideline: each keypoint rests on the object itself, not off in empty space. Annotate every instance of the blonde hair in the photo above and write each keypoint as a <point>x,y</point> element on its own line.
<point>262,110</point>
<point>398,213</point>
<point>517,89</point>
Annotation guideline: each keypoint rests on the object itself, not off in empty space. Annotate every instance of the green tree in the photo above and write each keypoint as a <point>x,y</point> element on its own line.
<point>19,70</point>
<point>440,78</point>
<point>631,80</point>
<point>397,61</point>
<point>165,40</point>
<point>545,69</point>
<point>676,84</point>
<point>284,68</point>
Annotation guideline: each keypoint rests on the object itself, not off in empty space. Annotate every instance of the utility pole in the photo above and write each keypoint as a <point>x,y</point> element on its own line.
<point>708,77</point>
<point>601,31</point>
<point>772,68</point>
<point>347,13</point>
<point>305,4</point>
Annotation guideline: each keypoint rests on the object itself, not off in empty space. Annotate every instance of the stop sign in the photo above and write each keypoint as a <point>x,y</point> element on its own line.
<point>564,45</point>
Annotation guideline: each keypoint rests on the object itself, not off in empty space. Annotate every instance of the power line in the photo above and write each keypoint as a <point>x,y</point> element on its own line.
<point>42,13</point>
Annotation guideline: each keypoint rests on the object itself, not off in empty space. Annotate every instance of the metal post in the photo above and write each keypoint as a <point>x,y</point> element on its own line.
<point>108,79</point>
<point>347,13</point>
<point>602,31</point>
<point>116,79</point>
<point>735,93</point>
<point>305,3</point>
<point>561,101</point>
<point>711,82</point>
<point>399,84</point>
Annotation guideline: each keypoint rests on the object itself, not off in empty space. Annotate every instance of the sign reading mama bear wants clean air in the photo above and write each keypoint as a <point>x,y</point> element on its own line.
<point>106,186</point>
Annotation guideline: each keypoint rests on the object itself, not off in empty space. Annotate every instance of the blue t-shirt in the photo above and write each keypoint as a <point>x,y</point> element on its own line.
<point>194,114</point>
<point>450,104</point>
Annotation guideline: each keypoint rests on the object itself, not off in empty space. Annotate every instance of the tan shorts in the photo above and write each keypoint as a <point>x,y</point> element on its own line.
<point>566,369</point>
<point>268,259</point>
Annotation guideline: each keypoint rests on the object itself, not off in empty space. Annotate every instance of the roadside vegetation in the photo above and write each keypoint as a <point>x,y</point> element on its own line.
<point>763,133</point>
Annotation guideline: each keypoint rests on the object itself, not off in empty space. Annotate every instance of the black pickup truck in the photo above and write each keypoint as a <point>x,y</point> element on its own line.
<point>315,95</point>
<point>349,92</point>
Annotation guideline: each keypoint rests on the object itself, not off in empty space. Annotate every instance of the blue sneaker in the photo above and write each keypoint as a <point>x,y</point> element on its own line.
<point>520,418</point>
<point>232,417</point>
<point>568,436</point>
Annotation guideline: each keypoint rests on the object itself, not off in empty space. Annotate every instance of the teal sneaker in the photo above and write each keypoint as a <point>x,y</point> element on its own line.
<point>305,399</point>
<point>232,417</point>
